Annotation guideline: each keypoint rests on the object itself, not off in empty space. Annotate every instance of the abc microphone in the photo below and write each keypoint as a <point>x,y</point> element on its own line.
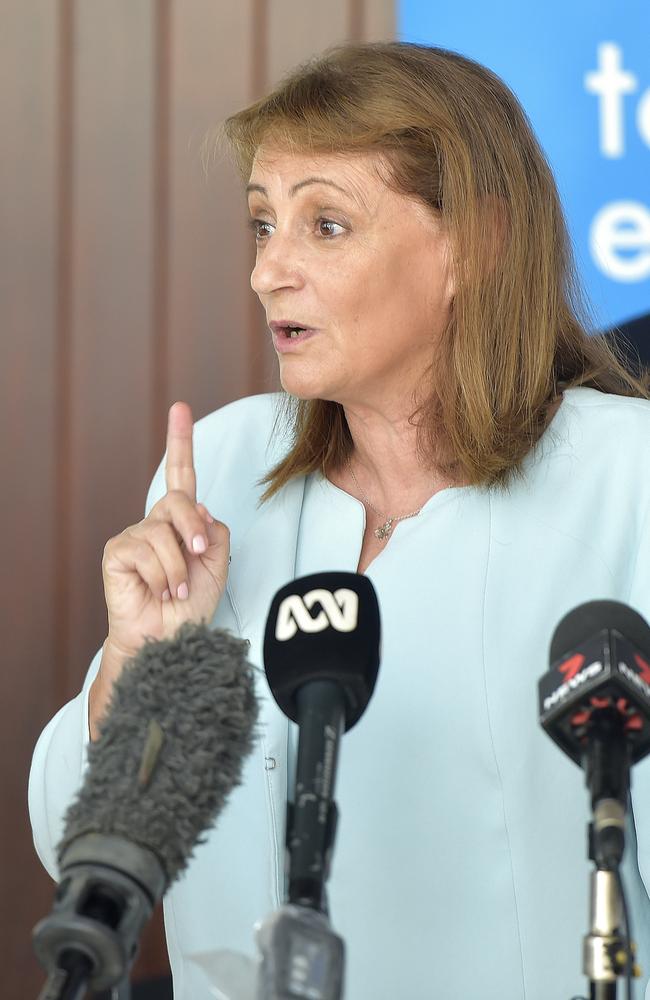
<point>594,703</point>
<point>321,656</point>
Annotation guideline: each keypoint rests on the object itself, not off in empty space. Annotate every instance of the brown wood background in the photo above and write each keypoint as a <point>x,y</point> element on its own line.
<point>124,285</point>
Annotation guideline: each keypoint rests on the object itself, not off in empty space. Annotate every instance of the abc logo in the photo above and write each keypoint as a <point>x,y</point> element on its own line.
<point>340,610</point>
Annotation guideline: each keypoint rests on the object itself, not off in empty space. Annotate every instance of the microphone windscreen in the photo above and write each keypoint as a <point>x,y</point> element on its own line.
<point>171,747</point>
<point>589,619</point>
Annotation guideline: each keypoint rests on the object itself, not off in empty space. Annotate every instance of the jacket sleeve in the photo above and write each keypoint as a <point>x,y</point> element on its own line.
<point>57,769</point>
<point>59,758</point>
<point>220,440</point>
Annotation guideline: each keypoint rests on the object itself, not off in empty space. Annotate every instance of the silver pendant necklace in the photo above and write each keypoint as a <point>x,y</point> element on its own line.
<point>384,530</point>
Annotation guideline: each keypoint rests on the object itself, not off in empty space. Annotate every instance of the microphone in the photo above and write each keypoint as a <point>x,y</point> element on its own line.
<point>322,671</point>
<point>171,749</point>
<point>594,703</point>
<point>321,656</point>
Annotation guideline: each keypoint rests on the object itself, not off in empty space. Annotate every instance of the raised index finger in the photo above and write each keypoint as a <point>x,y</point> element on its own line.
<point>179,467</point>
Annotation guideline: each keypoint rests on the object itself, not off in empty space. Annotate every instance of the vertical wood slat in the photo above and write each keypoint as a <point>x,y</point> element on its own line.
<point>298,31</point>
<point>379,20</point>
<point>263,369</point>
<point>28,305</point>
<point>160,264</point>
<point>210,355</point>
<point>356,20</point>
<point>61,525</point>
<point>110,314</point>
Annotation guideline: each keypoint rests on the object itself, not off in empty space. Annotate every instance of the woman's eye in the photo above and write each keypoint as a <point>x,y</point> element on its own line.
<point>256,225</point>
<point>261,228</point>
<point>329,222</point>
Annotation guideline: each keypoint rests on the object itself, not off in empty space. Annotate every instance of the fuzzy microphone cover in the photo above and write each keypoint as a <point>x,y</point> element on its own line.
<point>171,747</point>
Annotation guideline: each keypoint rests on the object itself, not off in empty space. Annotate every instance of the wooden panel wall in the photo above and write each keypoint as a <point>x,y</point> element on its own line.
<point>124,285</point>
<point>29,453</point>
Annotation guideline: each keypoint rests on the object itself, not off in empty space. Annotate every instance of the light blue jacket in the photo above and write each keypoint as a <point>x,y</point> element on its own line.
<point>470,592</point>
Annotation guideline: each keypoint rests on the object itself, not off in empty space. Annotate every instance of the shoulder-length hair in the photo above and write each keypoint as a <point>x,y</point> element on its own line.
<point>453,135</point>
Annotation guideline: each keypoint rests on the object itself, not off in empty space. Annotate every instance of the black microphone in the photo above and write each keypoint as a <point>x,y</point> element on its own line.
<point>171,749</point>
<point>321,656</point>
<point>594,703</point>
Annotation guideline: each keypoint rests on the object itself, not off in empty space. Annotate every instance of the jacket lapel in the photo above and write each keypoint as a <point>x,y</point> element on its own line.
<point>263,561</point>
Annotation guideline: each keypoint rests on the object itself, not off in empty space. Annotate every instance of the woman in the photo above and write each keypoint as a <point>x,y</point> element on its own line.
<point>447,427</point>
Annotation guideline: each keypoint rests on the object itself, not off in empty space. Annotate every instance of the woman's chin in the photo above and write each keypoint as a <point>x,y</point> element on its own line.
<point>301,386</point>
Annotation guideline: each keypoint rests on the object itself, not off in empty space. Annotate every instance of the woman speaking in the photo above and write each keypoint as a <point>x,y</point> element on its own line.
<point>447,427</point>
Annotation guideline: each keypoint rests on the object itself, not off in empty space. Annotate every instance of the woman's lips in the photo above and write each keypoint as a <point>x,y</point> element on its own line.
<point>285,344</point>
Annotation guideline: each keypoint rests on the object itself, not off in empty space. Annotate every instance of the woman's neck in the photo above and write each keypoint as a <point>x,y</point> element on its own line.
<point>389,473</point>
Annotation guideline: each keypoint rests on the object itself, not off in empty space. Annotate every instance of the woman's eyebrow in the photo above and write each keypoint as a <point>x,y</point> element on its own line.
<point>300,184</point>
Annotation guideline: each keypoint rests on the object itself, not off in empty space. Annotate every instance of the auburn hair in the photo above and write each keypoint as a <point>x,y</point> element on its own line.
<point>521,330</point>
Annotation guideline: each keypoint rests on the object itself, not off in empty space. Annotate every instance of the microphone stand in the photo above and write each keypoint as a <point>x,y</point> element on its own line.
<point>605,955</point>
<point>312,819</point>
<point>607,951</point>
<point>302,956</point>
<point>69,981</point>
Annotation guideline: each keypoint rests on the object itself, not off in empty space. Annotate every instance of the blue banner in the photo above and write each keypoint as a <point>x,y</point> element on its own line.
<point>581,70</point>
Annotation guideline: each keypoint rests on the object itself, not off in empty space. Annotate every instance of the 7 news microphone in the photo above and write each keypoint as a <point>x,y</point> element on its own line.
<point>321,656</point>
<point>170,751</point>
<point>595,704</point>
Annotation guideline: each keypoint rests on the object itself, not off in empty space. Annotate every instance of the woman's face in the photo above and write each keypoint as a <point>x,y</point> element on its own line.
<point>368,269</point>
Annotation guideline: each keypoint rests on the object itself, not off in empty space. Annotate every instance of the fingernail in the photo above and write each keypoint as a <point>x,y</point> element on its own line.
<point>199,544</point>
<point>182,592</point>
<point>166,595</point>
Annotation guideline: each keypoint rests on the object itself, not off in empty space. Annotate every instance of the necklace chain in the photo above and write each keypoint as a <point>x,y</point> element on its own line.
<point>384,530</point>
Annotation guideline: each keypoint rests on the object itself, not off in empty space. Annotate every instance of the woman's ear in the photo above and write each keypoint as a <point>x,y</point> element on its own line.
<point>490,238</point>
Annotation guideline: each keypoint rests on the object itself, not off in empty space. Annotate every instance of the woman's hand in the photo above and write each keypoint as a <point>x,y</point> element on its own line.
<point>168,569</point>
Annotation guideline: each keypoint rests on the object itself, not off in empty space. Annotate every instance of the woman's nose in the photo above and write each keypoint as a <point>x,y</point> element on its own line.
<point>276,266</point>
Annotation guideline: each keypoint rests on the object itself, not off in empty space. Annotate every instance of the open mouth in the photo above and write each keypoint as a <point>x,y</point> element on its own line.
<point>294,332</point>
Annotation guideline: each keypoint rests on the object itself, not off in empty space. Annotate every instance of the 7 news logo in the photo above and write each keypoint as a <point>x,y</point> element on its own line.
<point>338,610</point>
